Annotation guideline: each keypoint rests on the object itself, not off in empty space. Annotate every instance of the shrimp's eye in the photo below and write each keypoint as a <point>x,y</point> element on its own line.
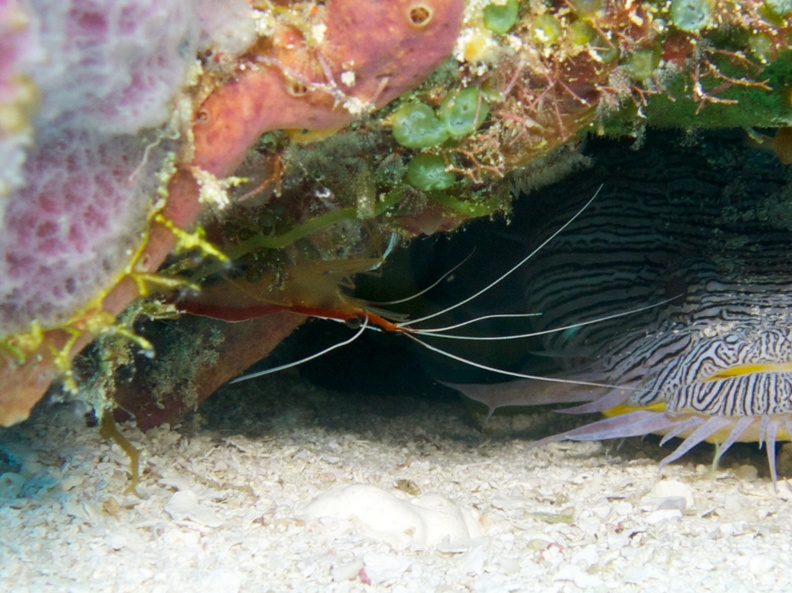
<point>355,322</point>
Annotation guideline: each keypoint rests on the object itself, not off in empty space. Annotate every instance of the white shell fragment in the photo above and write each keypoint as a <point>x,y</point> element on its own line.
<point>668,495</point>
<point>184,505</point>
<point>425,521</point>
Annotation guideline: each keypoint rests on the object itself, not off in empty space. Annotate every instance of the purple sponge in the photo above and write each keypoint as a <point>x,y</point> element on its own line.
<point>78,181</point>
<point>74,225</point>
<point>113,65</point>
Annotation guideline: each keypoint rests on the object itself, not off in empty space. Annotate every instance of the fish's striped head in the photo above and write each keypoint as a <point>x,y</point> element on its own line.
<point>708,244</point>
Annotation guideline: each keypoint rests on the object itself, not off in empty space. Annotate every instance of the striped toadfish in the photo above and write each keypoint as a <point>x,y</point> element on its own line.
<point>701,235</point>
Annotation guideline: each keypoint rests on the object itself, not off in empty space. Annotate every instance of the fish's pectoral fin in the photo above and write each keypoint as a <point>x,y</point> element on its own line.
<point>528,392</point>
<point>704,430</point>
<point>631,424</point>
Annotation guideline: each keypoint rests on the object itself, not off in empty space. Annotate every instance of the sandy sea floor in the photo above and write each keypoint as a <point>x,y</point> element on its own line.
<point>278,485</point>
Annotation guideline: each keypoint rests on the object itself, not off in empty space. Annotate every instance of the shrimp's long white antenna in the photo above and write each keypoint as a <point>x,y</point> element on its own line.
<point>428,288</point>
<point>485,367</point>
<point>437,330</point>
<point>283,367</point>
<point>510,272</point>
<point>436,333</point>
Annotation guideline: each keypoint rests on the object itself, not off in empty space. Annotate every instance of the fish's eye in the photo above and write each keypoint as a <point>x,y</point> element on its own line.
<point>676,289</point>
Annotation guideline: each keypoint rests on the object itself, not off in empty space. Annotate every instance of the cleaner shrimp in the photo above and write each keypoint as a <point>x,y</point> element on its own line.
<point>362,316</point>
